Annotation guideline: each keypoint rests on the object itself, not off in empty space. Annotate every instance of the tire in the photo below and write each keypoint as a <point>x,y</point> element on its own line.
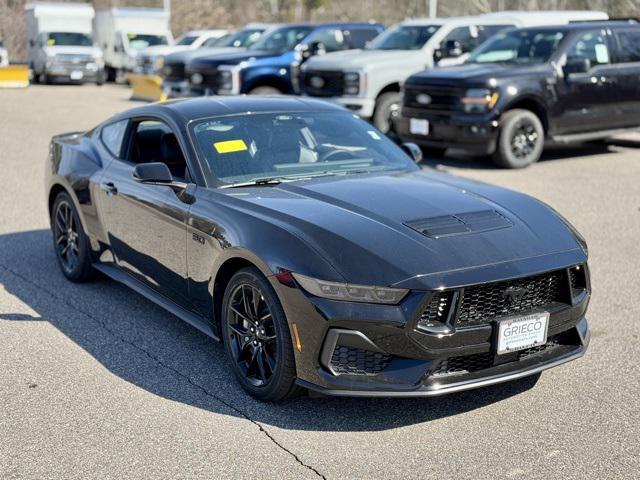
<point>382,113</point>
<point>111,74</point>
<point>101,77</point>
<point>262,360</point>
<point>70,243</point>
<point>520,141</point>
<point>265,90</point>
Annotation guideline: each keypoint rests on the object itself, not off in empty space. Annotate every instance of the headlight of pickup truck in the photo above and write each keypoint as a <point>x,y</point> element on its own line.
<point>229,79</point>
<point>158,63</point>
<point>350,293</point>
<point>353,83</point>
<point>479,100</point>
<point>225,80</point>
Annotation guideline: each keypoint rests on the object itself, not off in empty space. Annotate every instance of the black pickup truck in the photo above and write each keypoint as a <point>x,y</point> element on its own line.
<point>570,83</point>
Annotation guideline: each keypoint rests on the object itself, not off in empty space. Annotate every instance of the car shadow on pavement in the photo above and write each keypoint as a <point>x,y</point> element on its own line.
<point>459,159</point>
<point>155,351</point>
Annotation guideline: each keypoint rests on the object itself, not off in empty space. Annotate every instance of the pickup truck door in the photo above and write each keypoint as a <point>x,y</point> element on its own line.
<point>627,56</point>
<point>587,101</point>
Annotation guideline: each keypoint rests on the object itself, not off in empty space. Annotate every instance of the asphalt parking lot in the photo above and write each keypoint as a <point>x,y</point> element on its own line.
<point>96,382</point>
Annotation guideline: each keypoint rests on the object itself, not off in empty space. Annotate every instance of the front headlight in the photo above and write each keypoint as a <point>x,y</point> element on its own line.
<point>158,63</point>
<point>353,83</point>
<point>225,80</point>
<point>350,293</point>
<point>478,100</point>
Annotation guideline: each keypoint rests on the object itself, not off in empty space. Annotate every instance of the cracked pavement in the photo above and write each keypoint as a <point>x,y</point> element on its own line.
<point>97,382</point>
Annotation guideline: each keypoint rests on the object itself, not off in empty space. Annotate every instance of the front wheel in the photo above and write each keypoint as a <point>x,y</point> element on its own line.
<point>520,141</point>
<point>384,108</point>
<point>256,337</point>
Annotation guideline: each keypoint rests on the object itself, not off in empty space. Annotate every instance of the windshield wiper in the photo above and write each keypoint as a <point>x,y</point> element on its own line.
<point>274,180</point>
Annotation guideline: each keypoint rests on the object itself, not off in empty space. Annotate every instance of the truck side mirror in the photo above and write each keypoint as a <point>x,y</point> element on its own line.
<point>413,151</point>
<point>452,49</point>
<point>577,65</point>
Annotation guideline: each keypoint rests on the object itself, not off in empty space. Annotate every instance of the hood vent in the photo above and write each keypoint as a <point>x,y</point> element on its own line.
<point>459,224</point>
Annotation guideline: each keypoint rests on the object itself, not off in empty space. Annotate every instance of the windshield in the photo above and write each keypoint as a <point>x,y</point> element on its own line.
<point>69,39</point>
<point>518,47</point>
<point>243,38</point>
<point>140,41</point>
<point>404,37</point>
<point>282,39</point>
<point>289,146</point>
<point>187,40</point>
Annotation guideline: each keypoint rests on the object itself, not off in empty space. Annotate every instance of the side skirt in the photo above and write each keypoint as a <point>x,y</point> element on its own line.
<point>191,318</point>
<point>585,137</point>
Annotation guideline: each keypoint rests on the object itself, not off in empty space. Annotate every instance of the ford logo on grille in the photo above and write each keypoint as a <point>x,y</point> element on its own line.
<point>515,294</point>
<point>316,82</point>
<point>197,78</point>
<point>423,99</point>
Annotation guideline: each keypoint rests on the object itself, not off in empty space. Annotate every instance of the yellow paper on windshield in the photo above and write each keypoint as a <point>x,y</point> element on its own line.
<point>51,42</point>
<point>230,146</point>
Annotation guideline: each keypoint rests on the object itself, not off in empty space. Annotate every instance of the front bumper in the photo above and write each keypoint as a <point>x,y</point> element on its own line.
<point>378,350</point>
<point>477,134</point>
<point>74,73</point>
<point>363,107</point>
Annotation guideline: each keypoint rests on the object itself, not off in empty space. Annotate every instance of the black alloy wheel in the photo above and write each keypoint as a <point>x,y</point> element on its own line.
<point>257,337</point>
<point>252,334</point>
<point>520,140</point>
<point>69,240</point>
<point>524,139</point>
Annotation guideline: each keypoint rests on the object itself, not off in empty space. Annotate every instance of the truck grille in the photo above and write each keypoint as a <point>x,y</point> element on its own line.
<point>437,98</point>
<point>481,304</point>
<point>208,85</point>
<point>318,83</point>
<point>174,72</point>
<point>72,60</point>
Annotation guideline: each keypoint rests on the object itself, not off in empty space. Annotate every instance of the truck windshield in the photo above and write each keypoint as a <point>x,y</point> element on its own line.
<point>243,38</point>
<point>187,40</point>
<point>282,39</point>
<point>139,41</point>
<point>274,147</point>
<point>69,39</point>
<point>404,37</point>
<point>518,47</point>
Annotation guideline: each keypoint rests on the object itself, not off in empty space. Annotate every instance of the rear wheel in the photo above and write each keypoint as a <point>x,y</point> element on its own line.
<point>265,90</point>
<point>520,141</point>
<point>69,240</point>
<point>384,107</point>
<point>257,339</point>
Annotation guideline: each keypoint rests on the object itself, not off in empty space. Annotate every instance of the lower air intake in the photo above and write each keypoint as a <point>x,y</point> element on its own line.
<point>356,361</point>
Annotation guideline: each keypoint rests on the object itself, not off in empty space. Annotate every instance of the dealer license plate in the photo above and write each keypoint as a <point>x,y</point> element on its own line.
<point>519,333</point>
<point>419,126</point>
<point>76,75</point>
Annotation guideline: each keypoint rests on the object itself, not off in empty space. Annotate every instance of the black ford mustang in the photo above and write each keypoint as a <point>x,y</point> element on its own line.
<point>317,250</point>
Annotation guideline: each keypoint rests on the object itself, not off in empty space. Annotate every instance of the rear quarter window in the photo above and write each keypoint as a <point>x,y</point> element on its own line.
<point>628,45</point>
<point>112,136</point>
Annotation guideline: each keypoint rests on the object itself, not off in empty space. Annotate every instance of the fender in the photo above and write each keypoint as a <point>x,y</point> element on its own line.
<point>267,75</point>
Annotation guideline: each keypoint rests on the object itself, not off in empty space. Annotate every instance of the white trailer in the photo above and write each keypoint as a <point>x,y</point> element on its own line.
<point>60,43</point>
<point>124,32</point>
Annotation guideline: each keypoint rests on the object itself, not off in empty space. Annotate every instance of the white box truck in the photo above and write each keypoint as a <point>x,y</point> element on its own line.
<point>124,32</point>
<point>60,43</point>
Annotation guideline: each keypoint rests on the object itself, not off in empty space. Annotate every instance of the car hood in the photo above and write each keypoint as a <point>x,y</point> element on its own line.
<point>474,73</point>
<point>230,58</point>
<point>163,50</point>
<point>365,59</point>
<point>361,226</point>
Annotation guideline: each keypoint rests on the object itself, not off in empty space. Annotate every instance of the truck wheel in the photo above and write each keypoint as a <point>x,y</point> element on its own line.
<point>520,140</point>
<point>265,90</point>
<point>382,113</point>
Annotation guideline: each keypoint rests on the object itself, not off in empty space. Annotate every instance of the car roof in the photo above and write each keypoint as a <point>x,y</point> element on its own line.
<point>585,25</point>
<point>203,107</point>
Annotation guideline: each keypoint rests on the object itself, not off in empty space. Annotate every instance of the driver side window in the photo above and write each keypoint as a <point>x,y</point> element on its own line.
<point>154,141</point>
<point>459,41</point>
<point>591,46</point>
<point>332,39</point>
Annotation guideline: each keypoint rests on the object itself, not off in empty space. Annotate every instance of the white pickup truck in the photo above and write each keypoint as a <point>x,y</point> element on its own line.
<point>368,81</point>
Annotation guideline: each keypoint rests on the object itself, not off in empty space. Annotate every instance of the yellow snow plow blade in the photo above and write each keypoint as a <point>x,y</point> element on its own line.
<point>14,76</point>
<point>146,87</point>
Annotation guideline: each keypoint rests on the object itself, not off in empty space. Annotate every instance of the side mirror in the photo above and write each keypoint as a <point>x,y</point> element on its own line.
<point>452,49</point>
<point>413,151</point>
<point>157,173</point>
<point>577,65</point>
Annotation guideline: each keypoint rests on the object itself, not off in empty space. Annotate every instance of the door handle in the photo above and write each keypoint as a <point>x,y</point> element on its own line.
<point>109,187</point>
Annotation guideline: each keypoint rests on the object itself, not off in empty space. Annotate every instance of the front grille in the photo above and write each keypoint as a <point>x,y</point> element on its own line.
<point>464,364</point>
<point>441,99</point>
<point>356,361</point>
<point>332,83</point>
<point>209,84</point>
<point>174,72</point>
<point>483,303</point>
